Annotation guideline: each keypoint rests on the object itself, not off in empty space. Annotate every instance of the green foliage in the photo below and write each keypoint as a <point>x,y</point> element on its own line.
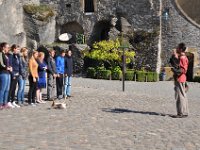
<point>41,12</point>
<point>104,74</point>
<point>140,76</point>
<point>109,52</point>
<point>196,79</point>
<point>129,75</point>
<point>91,72</point>
<point>150,76</point>
<point>155,76</point>
<point>80,38</point>
<point>116,73</point>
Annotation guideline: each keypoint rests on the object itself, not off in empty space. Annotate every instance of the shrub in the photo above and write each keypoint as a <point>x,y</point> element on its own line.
<point>150,76</point>
<point>155,76</point>
<point>129,75</point>
<point>104,74</point>
<point>196,79</point>
<point>41,12</point>
<point>109,52</point>
<point>91,72</point>
<point>141,76</point>
<point>116,73</point>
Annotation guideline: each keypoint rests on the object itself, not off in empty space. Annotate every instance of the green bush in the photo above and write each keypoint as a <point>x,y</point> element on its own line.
<point>116,73</point>
<point>104,74</point>
<point>140,76</point>
<point>150,76</point>
<point>155,76</point>
<point>91,72</point>
<point>196,79</point>
<point>41,12</point>
<point>129,75</point>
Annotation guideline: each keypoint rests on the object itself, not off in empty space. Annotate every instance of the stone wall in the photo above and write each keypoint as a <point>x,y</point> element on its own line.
<point>11,22</point>
<point>175,30</point>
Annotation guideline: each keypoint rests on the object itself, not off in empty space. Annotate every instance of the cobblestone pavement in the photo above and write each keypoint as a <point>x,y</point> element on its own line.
<point>102,117</point>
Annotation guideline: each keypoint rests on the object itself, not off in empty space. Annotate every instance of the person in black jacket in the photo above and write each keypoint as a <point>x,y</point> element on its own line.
<point>5,70</point>
<point>68,73</point>
<point>15,62</point>
<point>52,75</point>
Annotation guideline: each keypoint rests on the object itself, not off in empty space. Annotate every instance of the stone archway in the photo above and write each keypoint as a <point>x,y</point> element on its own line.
<point>100,31</point>
<point>72,28</point>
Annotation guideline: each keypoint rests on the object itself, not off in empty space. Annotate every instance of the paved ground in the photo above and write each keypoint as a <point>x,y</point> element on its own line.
<point>101,117</point>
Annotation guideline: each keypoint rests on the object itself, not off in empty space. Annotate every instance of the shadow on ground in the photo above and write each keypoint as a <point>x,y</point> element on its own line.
<point>121,110</point>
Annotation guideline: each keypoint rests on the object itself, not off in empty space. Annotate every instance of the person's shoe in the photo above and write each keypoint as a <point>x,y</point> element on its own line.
<point>60,97</point>
<point>1,107</point>
<point>10,105</point>
<point>33,104</point>
<point>38,101</point>
<point>185,116</point>
<point>14,104</point>
<point>7,106</point>
<point>21,104</point>
<point>43,102</point>
<point>177,116</point>
<point>25,104</point>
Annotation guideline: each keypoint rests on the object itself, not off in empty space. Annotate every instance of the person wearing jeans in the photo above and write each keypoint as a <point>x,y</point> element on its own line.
<point>60,69</point>
<point>68,73</point>
<point>4,89</point>
<point>5,70</point>
<point>23,77</point>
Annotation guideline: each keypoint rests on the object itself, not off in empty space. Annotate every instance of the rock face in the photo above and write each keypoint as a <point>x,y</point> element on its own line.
<point>11,22</point>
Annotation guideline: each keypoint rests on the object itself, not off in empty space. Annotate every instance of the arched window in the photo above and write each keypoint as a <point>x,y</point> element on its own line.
<point>89,6</point>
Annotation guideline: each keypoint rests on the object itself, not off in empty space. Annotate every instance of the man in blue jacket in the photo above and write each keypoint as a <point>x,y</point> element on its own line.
<point>60,70</point>
<point>68,73</point>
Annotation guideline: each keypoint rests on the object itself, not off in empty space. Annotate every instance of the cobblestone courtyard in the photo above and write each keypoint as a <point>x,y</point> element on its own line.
<point>102,117</point>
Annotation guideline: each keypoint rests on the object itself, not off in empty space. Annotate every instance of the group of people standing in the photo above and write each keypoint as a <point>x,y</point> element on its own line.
<point>16,67</point>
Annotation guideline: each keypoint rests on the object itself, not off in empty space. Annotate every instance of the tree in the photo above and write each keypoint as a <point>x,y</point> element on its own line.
<point>109,52</point>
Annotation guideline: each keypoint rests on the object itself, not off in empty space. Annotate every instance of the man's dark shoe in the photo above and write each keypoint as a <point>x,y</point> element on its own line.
<point>176,116</point>
<point>185,116</point>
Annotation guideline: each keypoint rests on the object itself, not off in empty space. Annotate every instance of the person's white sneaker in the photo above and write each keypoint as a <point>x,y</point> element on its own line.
<point>33,104</point>
<point>14,104</point>
<point>9,104</point>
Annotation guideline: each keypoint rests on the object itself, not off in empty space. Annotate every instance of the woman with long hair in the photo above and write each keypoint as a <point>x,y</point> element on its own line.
<point>5,70</point>
<point>33,78</point>
<point>23,76</point>
<point>42,67</point>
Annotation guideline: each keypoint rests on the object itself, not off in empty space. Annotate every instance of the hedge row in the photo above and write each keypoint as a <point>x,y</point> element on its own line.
<point>130,75</point>
<point>196,79</point>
